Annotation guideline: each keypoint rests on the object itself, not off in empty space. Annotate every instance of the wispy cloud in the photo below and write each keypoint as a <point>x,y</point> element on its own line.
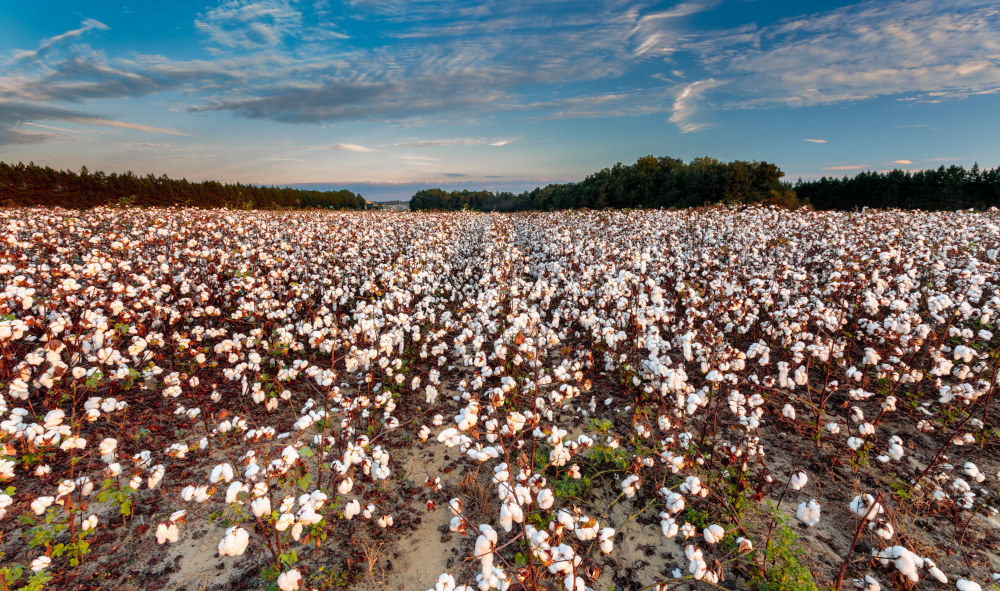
<point>686,104</point>
<point>816,141</point>
<point>901,162</point>
<point>13,115</point>
<point>350,148</point>
<point>922,49</point>
<point>454,142</point>
<point>420,158</point>
<point>50,43</point>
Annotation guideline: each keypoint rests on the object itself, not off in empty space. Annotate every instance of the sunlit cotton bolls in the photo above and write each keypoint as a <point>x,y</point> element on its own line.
<point>234,542</point>
<point>289,580</point>
<point>808,513</point>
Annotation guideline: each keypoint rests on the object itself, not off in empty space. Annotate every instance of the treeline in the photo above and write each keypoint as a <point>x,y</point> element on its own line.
<point>650,182</point>
<point>30,185</point>
<point>949,188</point>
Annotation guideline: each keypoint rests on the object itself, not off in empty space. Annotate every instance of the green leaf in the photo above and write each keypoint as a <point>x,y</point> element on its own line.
<point>304,482</point>
<point>305,451</point>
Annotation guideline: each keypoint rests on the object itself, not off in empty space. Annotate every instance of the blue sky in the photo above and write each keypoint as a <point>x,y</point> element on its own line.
<point>389,96</point>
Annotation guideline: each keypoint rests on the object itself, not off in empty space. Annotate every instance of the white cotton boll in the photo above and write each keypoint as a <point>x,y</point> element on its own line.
<point>674,501</point>
<point>630,485</point>
<point>545,498</point>
<point>855,442</point>
<point>445,582</point>
<point>833,428</point>
<point>866,507</point>
<point>424,432</point>
<point>261,506</point>
<point>973,472</point>
<point>798,480</point>
<point>290,580</point>
<point>40,563</point>
<point>788,411</point>
<point>166,532</point>
<point>607,540</point>
<point>234,542</point>
<point>967,585</point>
<point>714,533</point>
<point>669,525</point>
<point>871,584</point>
<point>345,486</point>
<point>234,489</point>
<point>906,562</point>
<point>935,571</point>
<point>896,450</point>
<point>808,513</point>
<point>883,529</point>
<point>385,521</point>
<point>351,509</point>
<point>691,485</point>
<point>221,472</point>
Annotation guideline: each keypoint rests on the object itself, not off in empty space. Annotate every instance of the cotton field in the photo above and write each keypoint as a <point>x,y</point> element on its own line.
<point>736,398</point>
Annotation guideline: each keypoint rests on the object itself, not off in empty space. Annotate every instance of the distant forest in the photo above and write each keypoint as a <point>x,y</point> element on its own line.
<point>650,182</point>
<point>669,182</point>
<point>30,185</point>
<point>949,188</point>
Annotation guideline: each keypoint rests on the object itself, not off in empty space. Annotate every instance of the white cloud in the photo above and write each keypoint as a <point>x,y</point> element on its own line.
<point>350,148</point>
<point>454,142</point>
<point>928,50</point>
<point>48,44</point>
<point>816,141</point>
<point>901,162</point>
<point>686,104</point>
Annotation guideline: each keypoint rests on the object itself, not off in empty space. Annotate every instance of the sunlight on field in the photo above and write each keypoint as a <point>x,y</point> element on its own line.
<point>736,397</point>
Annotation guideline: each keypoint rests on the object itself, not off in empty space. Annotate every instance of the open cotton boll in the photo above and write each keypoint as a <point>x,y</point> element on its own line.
<point>788,411</point>
<point>866,506</point>
<point>607,540</point>
<point>906,562</point>
<point>798,480</point>
<point>714,533</point>
<point>234,542</point>
<point>289,580</point>
<point>967,585</point>
<point>166,532</point>
<point>630,485</point>
<point>808,513</point>
<point>669,525</point>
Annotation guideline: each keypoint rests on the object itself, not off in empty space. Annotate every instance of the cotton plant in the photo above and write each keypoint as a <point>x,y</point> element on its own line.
<point>285,354</point>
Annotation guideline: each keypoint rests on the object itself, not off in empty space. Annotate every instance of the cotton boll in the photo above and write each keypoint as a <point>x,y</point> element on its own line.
<point>261,506</point>
<point>714,533</point>
<point>788,411</point>
<point>798,480</point>
<point>808,513</point>
<point>967,585</point>
<point>669,525</point>
<point>607,540</point>
<point>545,498</point>
<point>289,580</point>
<point>866,507</point>
<point>166,532</point>
<point>234,542</point>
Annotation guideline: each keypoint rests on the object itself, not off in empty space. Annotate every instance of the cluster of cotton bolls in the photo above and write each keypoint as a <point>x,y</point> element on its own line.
<point>654,350</point>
